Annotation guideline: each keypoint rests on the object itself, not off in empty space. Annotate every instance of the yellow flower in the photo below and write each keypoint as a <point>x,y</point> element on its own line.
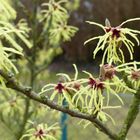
<point>113,40</point>
<point>42,132</point>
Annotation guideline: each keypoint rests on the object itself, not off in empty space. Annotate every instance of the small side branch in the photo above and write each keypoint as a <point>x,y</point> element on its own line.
<point>131,116</point>
<point>13,84</point>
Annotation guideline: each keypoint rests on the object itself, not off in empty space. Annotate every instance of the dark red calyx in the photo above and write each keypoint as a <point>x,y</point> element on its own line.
<point>135,75</point>
<point>108,29</point>
<point>100,85</point>
<point>59,87</point>
<point>115,31</point>
<point>55,6</point>
<point>39,133</point>
<point>107,71</point>
<point>96,84</point>
<point>92,82</point>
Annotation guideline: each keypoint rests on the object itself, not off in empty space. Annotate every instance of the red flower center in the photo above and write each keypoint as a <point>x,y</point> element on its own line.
<point>96,84</point>
<point>115,31</point>
<point>39,133</point>
<point>100,85</point>
<point>59,87</point>
<point>92,82</point>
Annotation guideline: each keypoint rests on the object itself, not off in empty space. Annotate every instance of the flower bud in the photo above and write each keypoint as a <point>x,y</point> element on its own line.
<point>107,72</point>
<point>135,75</point>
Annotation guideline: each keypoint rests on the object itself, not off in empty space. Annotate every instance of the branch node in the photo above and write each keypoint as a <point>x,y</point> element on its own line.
<point>10,75</point>
<point>28,89</point>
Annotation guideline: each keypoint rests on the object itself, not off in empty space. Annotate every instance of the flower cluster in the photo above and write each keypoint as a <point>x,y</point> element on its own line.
<point>110,73</point>
<point>90,95</point>
<point>113,40</point>
<point>132,71</point>
<point>54,10</point>
<point>64,89</point>
<point>42,132</point>
<point>55,19</point>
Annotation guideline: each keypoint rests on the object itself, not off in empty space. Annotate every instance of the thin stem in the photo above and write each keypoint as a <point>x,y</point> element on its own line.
<point>131,116</point>
<point>32,69</point>
<point>26,115</point>
<point>25,118</point>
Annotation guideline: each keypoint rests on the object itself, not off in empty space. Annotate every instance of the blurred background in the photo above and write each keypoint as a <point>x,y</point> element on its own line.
<point>75,52</point>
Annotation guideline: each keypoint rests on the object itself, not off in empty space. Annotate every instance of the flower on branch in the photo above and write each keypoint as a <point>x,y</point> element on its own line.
<point>54,10</point>
<point>64,89</point>
<point>107,71</point>
<point>55,17</point>
<point>89,95</point>
<point>113,40</point>
<point>132,71</point>
<point>62,32</point>
<point>42,132</point>
<point>59,87</point>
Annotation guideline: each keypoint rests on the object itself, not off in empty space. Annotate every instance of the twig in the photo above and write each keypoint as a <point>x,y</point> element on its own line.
<point>131,116</point>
